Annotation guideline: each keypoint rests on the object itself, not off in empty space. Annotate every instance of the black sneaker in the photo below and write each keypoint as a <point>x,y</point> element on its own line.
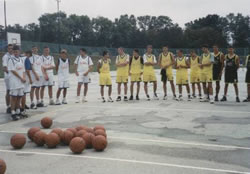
<point>137,97</point>
<point>246,100</point>
<point>8,110</point>
<point>33,106</point>
<point>237,99</point>
<point>39,105</point>
<point>14,117</point>
<point>103,100</point>
<point>118,98</point>
<point>27,107</point>
<point>148,98</point>
<point>131,97</point>
<point>224,98</point>
<point>216,98</point>
<point>23,115</point>
<point>189,98</point>
<point>125,98</point>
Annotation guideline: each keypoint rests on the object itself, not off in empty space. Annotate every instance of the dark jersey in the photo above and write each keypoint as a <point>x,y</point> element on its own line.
<point>231,67</point>
<point>217,65</point>
<point>248,70</point>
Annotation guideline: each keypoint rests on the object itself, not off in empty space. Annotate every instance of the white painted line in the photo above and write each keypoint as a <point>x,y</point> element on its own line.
<point>162,141</point>
<point>130,161</point>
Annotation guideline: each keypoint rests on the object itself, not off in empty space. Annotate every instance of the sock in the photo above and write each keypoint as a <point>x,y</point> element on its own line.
<point>211,97</point>
<point>13,112</point>
<point>8,106</point>
<point>17,111</point>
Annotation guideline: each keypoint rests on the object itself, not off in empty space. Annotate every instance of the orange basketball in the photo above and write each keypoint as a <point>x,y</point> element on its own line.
<point>32,132</point>
<point>77,145</point>
<point>90,130</point>
<point>88,137</point>
<point>100,132</point>
<point>99,143</point>
<point>57,131</point>
<point>18,141</point>
<point>52,140</point>
<point>2,166</point>
<point>73,130</point>
<point>46,122</point>
<point>78,128</point>
<point>39,138</point>
<point>66,137</point>
<point>81,133</point>
<point>99,127</point>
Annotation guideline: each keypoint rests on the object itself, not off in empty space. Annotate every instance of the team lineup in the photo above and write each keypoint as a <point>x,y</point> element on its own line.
<point>32,73</point>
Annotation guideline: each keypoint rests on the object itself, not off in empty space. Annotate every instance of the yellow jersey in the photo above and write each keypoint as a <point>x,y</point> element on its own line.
<point>148,70</point>
<point>122,71</point>
<point>105,66</point>
<point>166,60</point>
<point>194,64</point>
<point>205,59</point>
<point>136,65</point>
<point>181,61</point>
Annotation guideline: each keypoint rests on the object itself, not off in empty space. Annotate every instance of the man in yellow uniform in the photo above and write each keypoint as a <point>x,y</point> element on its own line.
<point>182,66</point>
<point>206,65</point>
<point>103,68</point>
<point>166,62</point>
<point>122,64</point>
<point>135,72</point>
<point>195,73</point>
<point>148,71</point>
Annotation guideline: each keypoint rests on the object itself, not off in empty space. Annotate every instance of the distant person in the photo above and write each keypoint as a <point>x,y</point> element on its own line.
<point>62,69</point>
<point>231,73</point>
<point>5,60</point>
<point>195,73</point>
<point>48,66</point>
<point>206,65</point>
<point>148,71</point>
<point>83,66</point>
<point>166,62</point>
<point>182,66</point>
<point>17,81</point>
<point>135,72</point>
<point>218,67</point>
<point>103,68</point>
<point>247,80</point>
<point>37,78</point>
<point>122,65</point>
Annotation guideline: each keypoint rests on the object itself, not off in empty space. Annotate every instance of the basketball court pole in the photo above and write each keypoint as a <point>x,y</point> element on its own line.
<point>5,21</point>
<point>58,23</point>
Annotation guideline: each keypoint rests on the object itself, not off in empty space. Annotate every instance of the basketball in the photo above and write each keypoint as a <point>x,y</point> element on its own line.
<point>90,130</point>
<point>39,138</point>
<point>2,166</point>
<point>99,127</point>
<point>100,132</point>
<point>81,133</point>
<point>77,145</point>
<point>32,132</point>
<point>57,131</point>
<point>78,128</point>
<point>88,137</point>
<point>18,141</point>
<point>46,122</point>
<point>99,143</point>
<point>52,140</point>
<point>73,130</point>
<point>66,137</point>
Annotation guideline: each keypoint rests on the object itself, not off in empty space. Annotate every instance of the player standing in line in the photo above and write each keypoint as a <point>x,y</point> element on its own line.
<point>17,80</point>
<point>166,62</point>
<point>5,59</point>
<point>135,72</point>
<point>148,71</point>
<point>231,72</point>
<point>83,66</point>
<point>218,67</point>
<point>182,66</point>
<point>37,78</point>
<point>103,68</point>
<point>195,73</point>
<point>122,64</point>
<point>248,78</point>
<point>48,66</point>
<point>206,65</point>
<point>62,69</point>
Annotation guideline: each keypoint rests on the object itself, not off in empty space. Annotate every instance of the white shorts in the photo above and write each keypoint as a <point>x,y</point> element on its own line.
<point>36,84</point>
<point>26,88</point>
<point>7,83</point>
<point>49,82</point>
<point>83,79</point>
<point>63,84</point>
<point>17,92</point>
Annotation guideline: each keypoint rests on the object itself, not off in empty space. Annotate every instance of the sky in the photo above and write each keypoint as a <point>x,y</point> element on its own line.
<point>180,11</point>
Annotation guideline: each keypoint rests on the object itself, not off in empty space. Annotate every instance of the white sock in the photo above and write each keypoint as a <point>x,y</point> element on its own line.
<point>13,112</point>
<point>18,111</point>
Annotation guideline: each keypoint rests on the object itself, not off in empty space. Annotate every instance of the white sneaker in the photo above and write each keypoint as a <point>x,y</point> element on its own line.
<point>212,101</point>
<point>51,102</point>
<point>175,98</point>
<point>180,98</point>
<point>77,99</point>
<point>204,100</point>
<point>58,102</point>
<point>84,99</point>
<point>110,100</point>
<point>165,97</point>
<point>64,101</point>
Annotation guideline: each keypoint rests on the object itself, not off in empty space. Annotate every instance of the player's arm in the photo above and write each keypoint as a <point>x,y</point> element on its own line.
<point>29,76</point>
<point>237,61</point>
<point>173,59</point>
<point>222,58</point>
<point>159,63</point>
<point>57,66</point>
<point>5,66</point>
<point>98,67</point>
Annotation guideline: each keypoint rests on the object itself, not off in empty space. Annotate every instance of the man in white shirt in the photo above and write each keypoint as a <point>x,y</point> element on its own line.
<point>5,59</point>
<point>48,66</point>
<point>83,66</point>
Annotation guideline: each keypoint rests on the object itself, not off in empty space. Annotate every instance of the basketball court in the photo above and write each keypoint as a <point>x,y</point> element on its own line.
<point>145,137</point>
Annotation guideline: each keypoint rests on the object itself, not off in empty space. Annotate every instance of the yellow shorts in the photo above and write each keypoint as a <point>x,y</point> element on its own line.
<point>206,77</point>
<point>135,78</point>
<point>121,79</point>
<point>170,76</point>
<point>149,78</point>
<point>105,79</point>
<point>195,77</point>
<point>181,79</point>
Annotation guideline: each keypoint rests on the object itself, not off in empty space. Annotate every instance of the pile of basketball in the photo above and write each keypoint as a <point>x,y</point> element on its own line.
<point>78,138</point>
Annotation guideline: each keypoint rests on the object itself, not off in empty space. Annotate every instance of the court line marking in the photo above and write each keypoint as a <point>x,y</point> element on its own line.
<point>164,141</point>
<point>130,161</point>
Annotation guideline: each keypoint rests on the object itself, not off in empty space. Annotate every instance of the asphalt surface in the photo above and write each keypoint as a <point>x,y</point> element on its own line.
<point>145,137</point>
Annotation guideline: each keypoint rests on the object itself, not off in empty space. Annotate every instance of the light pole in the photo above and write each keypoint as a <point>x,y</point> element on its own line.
<point>5,21</point>
<point>58,23</point>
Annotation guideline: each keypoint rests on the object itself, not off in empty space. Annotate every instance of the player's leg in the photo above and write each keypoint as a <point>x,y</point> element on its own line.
<point>78,92</point>
<point>58,93</point>
<point>193,90</point>
<point>131,91</point>
<point>236,89</point>
<point>64,101</point>
<point>109,93</point>
<point>210,92</point>
<point>138,90</point>
<point>224,98</point>
<point>50,92</point>
<point>85,91</point>
<point>7,101</point>
<point>164,86</point>
<point>119,91</point>
<point>173,88</point>
<point>125,91</point>
<point>188,91</point>
<point>217,90</point>
<point>180,92</point>
<point>42,94</point>
<point>37,93</point>
<point>146,90</point>
<point>102,93</point>
<point>199,90</point>
<point>13,102</point>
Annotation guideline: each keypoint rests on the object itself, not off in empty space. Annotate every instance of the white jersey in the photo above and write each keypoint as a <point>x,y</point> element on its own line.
<point>63,69</point>
<point>37,62</point>
<point>5,59</point>
<point>16,64</point>
<point>47,62</point>
<point>83,64</point>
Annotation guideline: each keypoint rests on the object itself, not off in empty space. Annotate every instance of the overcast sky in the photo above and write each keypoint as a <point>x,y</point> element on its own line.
<point>180,11</point>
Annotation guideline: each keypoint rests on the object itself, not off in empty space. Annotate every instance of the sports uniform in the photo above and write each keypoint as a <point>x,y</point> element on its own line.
<point>36,62</point>
<point>47,62</point>
<point>28,67</point>
<point>247,80</point>
<point>195,70</point>
<point>5,60</point>
<point>63,73</point>
<point>105,77</point>
<point>231,75</point>
<point>207,71</point>
<point>217,66</point>
<point>83,64</point>
<point>122,72</point>
<point>167,60</point>
<point>181,73</point>
<point>136,68</point>
<point>148,71</point>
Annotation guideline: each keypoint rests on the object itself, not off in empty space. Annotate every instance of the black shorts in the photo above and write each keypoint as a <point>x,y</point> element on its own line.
<point>164,75</point>
<point>231,77</point>
<point>248,77</point>
<point>216,75</point>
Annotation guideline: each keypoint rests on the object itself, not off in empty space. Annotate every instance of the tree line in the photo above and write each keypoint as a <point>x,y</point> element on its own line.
<point>136,32</point>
